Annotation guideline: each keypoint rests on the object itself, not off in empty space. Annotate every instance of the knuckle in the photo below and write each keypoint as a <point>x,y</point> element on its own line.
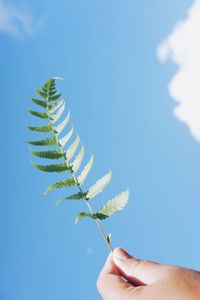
<point>133,266</point>
<point>172,271</point>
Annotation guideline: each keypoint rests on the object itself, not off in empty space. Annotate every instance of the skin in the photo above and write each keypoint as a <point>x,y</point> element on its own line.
<point>124,277</point>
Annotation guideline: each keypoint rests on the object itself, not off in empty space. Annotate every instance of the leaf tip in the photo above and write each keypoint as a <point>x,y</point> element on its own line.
<point>58,78</point>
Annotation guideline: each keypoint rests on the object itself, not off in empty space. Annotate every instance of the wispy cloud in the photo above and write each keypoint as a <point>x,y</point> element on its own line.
<point>182,47</point>
<point>18,22</point>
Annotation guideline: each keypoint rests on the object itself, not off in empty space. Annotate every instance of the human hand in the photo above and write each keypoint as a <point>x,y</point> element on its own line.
<point>126,278</point>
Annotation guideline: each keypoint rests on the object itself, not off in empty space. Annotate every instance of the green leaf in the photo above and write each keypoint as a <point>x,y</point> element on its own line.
<point>59,168</point>
<point>50,83</point>
<point>51,154</point>
<point>54,107</point>
<point>77,196</point>
<point>60,184</point>
<point>100,216</point>
<point>53,89</point>
<point>83,215</point>
<point>42,103</point>
<point>114,205</point>
<point>51,141</point>
<point>84,174</point>
<point>99,186</point>
<point>46,129</point>
<point>52,92</point>
<point>41,94</point>
<point>42,115</point>
<point>53,98</point>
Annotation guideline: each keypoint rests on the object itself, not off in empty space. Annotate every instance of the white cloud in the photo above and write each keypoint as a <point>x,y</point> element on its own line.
<point>17,22</point>
<point>182,47</point>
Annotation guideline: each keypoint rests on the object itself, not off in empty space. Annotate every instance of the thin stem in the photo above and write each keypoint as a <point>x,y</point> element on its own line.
<point>96,220</point>
<point>80,189</point>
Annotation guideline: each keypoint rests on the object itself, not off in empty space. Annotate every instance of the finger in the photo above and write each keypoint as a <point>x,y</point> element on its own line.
<point>111,285</point>
<point>137,271</point>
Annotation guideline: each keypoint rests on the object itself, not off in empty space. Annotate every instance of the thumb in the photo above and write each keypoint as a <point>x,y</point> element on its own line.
<point>138,272</point>
<point>110,284</point>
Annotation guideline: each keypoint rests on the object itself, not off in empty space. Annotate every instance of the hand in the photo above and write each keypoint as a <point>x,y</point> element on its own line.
<point>126,278</point>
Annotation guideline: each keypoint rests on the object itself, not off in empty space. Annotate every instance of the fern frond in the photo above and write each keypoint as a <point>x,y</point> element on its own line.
<point>54,107</point>
<point>99,186</point>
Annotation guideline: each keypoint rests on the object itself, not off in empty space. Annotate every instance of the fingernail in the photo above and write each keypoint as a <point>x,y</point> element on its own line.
<point>121,254</point>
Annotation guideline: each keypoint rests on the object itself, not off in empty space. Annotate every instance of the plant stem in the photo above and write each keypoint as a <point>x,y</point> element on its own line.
<point>96,220</point>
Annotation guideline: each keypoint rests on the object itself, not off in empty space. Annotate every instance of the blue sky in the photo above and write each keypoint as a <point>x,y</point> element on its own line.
<point>117,91</point>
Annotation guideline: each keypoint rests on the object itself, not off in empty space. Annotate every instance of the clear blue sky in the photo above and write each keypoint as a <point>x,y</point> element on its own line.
<point>117,92</point>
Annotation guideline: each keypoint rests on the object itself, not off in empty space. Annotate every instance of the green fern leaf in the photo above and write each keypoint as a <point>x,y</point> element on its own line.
<point>51,141</point>
<point>42,115</point>
<point>54,107</point>
<point>100,216</point>
<point>77,196</point>
<point>50,154</point>
<point>46,129</point>
<point>82,215</point>
<point>41,94</point>
<point>61,184</point>
<point>39,102</point>
<point>53,98</point>
<point>59,168</point>
<point>114,205</point>
<point>52,92</point>
<point>58,114</point>
<point>48,85</point>
<point>84,174</point>
<point>99,186</point>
